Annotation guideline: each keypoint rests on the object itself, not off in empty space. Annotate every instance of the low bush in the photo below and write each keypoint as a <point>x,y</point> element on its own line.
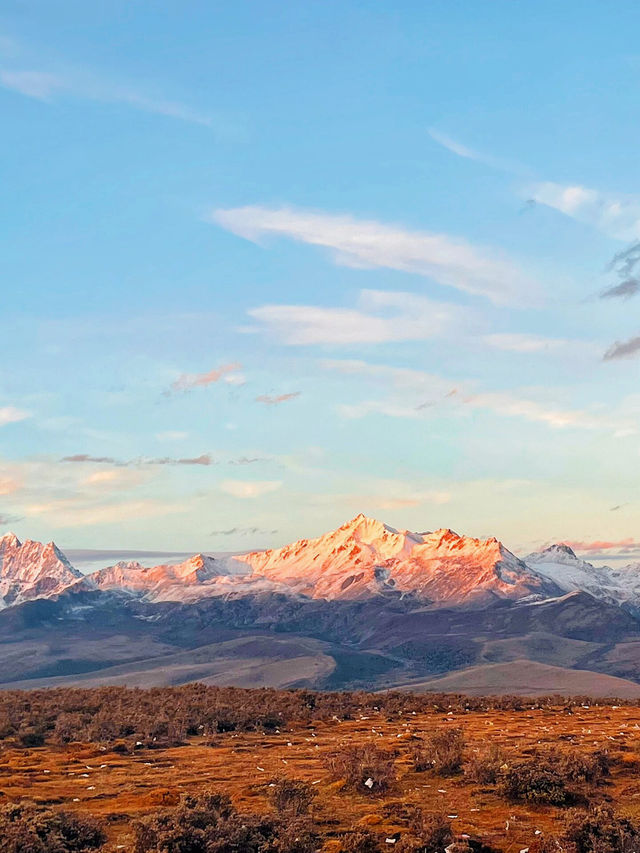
<point>590,768</point>
<point>599,830</point>
<point>442,752</point>
<point>484,767</point>
<point>531,781</point>
<point>292,797</point>
<point>210,824</point>
<point>428,833</point>
<point>26,828</point>
<point>359,841</point>
<point>366,769</point>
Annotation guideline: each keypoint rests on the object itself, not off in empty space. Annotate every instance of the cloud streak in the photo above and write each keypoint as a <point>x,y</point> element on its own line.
<point>12,415</point>
<point>381,317</point>
<point>269,400</point>
<point>623,349</point>
<point>603,544</point>
<point>615,216</point>
<point>44,85</point>
<point>249,489</point>
<point>417,394</point>
<point>189,381</point>
<point>205,459</point>
<point>625,265</point>
<point>368,244</point>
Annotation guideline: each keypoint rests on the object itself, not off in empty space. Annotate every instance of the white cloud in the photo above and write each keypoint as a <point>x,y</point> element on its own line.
<point>616,216</point>
<point>11,415</point>
<point>249,488</point>
<point>72,512</point>
<point>227,372</point>
<point>114,478</point>
<point>415,394</point>
<point>467,153</point>
<point>43,85</point>
<point>8,485</point>
<point>453,146</point>
<point>33,84</point>
<point>530,343</point>
<point>381,317</point>
<point>367,244</point>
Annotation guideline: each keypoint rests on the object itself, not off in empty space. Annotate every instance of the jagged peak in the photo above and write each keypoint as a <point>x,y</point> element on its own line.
<point>557,549</point>
<point>10,539</point>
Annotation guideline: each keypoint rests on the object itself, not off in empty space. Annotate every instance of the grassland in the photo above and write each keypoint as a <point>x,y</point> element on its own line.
<point>120,779</point>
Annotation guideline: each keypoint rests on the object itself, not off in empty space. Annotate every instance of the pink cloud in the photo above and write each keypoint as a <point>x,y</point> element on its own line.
<point>199,380</point>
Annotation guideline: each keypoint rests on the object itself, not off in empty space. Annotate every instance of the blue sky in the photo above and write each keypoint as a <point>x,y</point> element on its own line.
<point>266,267</point>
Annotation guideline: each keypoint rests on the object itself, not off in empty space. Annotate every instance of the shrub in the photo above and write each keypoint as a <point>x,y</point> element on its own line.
<point>600,830</point>
<point>366,769</point>
<point>25,828</point>
<point>209,824</point>
<point>584,767</point>
<point>359,841</point>
<point>443,752</point>
<point>484,767</point>
<point>30,738</point>
<point>292,797</point>
<point>296,836</point>
<point>428,833</point>
<point>534,782</point>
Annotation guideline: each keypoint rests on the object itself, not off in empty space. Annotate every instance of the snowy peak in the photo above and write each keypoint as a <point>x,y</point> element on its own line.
<point>30,570</point>
<point>198,576</point>
<point>557,553</point>
<point>365,557</point>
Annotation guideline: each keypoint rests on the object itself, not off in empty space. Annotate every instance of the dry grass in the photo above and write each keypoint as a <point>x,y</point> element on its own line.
<point>585,744</point>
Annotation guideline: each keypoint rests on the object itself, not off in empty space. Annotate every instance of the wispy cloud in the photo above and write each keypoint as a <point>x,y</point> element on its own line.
<point>525,343</point>
<point>9,485</point>
<point>598,545</point>
<point>46,85</point>
<point>12,415</point>
<point>34,84</point>
<point>367,244</point>
<point>625,265</point>
<point>381,317</point>
<point>6,520</point>
<point>624,290</point>
<point>461,150</point>
<point>616,216</point>
<point>250,488</point>
<point>416,394</point>
<point>75,512</point>
<point>243,531</point>
<point>205,459</point>
<point>623,349</point>
<point>275,400</point>
<point>227,372</point>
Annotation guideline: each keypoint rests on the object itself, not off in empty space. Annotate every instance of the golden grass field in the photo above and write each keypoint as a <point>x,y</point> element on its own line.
<point>118,788</point>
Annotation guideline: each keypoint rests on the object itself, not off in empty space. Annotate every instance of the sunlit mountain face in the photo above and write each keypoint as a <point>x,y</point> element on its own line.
<point>364,605</point>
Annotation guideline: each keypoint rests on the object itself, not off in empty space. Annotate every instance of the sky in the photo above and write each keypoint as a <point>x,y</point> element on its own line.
<point>265,266</point>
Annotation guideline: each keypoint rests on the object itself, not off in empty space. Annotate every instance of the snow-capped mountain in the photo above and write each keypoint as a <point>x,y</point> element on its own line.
<point>365,557</point>
<point>32,570</point>
<point>560,564</point>
<point>198,577</point>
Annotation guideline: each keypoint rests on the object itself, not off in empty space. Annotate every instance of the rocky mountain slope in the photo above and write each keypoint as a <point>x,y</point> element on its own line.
<point>365,605</point>
<point>32,570</point>
<point>561,566</point>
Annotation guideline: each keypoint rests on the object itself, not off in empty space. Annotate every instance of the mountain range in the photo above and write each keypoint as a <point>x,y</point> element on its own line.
<point>365,605</point>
